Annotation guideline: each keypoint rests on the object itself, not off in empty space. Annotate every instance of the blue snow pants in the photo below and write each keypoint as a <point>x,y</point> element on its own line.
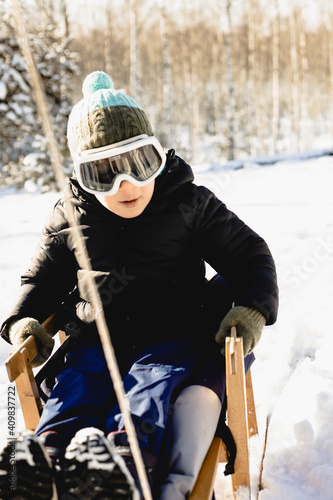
<point>83,394</point>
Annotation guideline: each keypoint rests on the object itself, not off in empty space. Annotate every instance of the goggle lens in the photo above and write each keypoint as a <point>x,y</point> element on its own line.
<point>139,164</point>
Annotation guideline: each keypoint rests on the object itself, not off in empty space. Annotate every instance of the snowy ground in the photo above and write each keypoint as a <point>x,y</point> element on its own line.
<point>290,205</point>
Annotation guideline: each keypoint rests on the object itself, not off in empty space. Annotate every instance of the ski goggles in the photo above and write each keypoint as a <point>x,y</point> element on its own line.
<point>101,170</point>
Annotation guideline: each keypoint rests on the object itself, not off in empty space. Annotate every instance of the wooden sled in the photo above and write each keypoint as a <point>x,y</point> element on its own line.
<point>240,412</point>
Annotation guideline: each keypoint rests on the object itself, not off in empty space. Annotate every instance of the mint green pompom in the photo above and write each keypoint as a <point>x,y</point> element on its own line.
<point>96,81</point>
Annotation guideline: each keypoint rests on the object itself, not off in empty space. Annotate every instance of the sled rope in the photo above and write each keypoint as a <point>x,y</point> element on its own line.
<point>103,330</point>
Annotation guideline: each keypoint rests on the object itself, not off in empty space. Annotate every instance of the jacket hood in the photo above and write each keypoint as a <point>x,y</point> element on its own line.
<point>176,173</point>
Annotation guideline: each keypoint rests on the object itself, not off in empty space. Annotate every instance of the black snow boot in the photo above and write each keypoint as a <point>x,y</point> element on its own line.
<point>26,471</point>
<point>55,447</point>
<point>120,441</point>
<point>94,470</point>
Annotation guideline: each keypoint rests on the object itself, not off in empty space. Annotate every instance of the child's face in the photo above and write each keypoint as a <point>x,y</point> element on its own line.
<point>129,201</point>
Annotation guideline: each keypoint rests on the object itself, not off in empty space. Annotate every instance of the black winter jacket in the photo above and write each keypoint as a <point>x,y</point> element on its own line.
<point>150,269</point>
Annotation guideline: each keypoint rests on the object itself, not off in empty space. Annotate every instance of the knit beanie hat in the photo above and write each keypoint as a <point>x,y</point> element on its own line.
<point>104,116</point>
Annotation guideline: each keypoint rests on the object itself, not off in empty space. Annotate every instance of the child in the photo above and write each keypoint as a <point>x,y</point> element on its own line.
<point>148,231</point>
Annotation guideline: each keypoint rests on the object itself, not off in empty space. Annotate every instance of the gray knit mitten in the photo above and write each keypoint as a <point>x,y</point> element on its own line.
<point>20,330</point>
<point>249,322</point>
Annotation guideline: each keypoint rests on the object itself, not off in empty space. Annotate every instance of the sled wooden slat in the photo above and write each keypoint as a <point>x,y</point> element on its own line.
<point>251,409</point>
<point>237,410</point>
<point>19,370</point>
<point>52,325</point>
<point>241,408</point>
<point>204,485</point>
<point>14,363</point>
<point>242,422</point>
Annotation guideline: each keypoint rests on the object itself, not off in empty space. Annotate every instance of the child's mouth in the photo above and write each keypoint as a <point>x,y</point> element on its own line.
<point>130,203</point>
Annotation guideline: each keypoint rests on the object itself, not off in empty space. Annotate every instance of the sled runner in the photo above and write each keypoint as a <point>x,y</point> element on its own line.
<point>240,408</point>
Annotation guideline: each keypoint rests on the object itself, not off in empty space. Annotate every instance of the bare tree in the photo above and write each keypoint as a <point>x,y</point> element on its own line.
<point>167,91</point>
<point>275,77</point>
<point>64,23</point>
<point>108,36</point>
<point>330,60</point>
<point>230,103</point>
<point>295,79</point>
<point>135,82</point>
<point>304,87</point>
<point>188,105</point>
<point>252,80</point>
<point>218,55</point>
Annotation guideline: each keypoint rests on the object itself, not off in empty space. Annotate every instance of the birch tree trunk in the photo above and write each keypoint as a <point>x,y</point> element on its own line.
<point>330,60</point>
<point>295,80</point>
<point>167,90</point>
<point>108,38</point>
<point>275,78</point>
<point>194,97</point>
<point>252,81</point>
<point>190,106</point>
<point>65,35</point>
<point>230,104</point>
<point>135,83</point>
<point>218,54</point>
<point>304,89</point>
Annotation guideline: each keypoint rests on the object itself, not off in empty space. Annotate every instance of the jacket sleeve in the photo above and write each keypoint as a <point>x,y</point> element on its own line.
<point>237,253</point>
<point>51,276</point>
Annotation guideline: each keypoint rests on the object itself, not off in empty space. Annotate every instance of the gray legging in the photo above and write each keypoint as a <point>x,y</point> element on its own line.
<point>194,421</point>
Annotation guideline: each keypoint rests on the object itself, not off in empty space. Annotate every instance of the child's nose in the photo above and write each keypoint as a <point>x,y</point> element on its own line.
<point>124,185</point>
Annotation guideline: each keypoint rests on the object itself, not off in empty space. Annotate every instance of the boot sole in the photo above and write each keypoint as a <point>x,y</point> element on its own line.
<point>93,470</point>
<point>26,471</point>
